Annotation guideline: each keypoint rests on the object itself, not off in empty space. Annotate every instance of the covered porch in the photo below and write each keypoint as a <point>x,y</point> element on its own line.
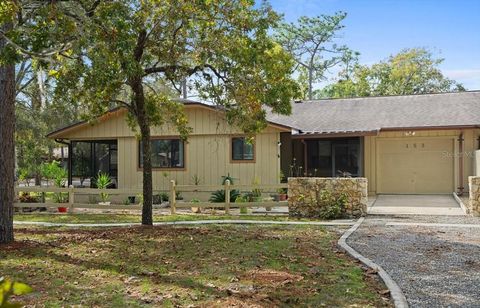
<point>89,157</point>
<point>322,155</point>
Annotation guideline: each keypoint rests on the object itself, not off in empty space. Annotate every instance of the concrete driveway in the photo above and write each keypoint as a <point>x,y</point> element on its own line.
<point>415,205</point>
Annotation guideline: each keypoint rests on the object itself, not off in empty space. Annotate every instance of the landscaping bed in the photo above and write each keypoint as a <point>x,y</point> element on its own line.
<point>260,266</point>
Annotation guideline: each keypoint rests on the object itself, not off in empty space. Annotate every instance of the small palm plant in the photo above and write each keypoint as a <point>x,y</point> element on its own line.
<point>103,181</point>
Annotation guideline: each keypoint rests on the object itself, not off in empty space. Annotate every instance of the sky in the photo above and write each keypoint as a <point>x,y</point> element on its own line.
<point>380,28</point>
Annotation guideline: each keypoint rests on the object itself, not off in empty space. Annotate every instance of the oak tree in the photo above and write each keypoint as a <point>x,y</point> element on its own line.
<point>224,47</point>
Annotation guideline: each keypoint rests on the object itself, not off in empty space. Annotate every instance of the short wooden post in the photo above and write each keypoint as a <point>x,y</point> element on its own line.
<point>227,197</point>
<point>173,197</point>
<point>71,198</point>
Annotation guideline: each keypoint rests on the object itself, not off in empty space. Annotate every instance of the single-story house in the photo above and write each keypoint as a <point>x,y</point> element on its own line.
<point>412,144</point>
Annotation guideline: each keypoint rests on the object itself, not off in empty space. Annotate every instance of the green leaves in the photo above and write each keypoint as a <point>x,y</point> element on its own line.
<point>312,42</point>
<point>9,288</point>
<point>411,71</point>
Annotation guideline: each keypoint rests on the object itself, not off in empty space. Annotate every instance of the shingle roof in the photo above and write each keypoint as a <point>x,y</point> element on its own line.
<point>368,114</point>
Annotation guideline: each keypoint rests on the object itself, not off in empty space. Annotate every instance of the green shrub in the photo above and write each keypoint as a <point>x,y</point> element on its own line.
<point>331,206</point>
<point>164,197</point>
<point>219,196</point>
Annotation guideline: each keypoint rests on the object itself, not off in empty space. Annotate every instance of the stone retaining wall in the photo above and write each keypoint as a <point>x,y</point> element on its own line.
<point>474,199</point>
<point>304,195</point>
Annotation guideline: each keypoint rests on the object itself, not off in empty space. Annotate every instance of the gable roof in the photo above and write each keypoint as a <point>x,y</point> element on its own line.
<point>369,115</point>
<point>121,110</point>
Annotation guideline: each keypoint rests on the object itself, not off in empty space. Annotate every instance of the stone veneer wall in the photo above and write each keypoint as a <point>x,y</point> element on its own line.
<point>303,194</point>
<point>474,199</point>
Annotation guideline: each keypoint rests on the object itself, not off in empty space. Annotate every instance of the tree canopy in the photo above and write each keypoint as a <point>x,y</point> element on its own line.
<point>412,71</point>
<point>313,43</point>
<point>223,46</point>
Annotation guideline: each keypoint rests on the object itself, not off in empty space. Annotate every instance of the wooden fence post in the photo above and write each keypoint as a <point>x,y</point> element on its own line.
<point>227,197</point>
<point>173,197</point>
<point>71,198</point>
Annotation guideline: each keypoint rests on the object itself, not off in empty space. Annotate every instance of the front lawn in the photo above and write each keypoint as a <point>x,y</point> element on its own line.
<point>208,266</point>
<point>126,218</point>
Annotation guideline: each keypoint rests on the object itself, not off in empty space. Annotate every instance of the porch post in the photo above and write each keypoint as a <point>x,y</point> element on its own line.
<point>69,163</point>
<point>305,156</point>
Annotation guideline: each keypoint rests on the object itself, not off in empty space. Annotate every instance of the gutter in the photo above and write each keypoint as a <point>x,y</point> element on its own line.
<point>316,135</point>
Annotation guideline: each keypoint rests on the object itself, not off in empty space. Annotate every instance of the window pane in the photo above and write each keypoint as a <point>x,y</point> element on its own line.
<point>166,153</point>
<point>81,159</point>
<point>248,151</point>
<point>241,149</point>
<point>237,148</point>
<point>160,153</point>
<point>102,158</point>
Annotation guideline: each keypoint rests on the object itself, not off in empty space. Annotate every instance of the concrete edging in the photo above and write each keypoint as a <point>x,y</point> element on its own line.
<point>398,297</point>
<point>428,224</point>
<point>188,222</point>
<point>460,202</point>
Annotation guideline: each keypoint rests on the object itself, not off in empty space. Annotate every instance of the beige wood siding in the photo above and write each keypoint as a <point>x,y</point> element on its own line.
<point>207,151</point>
<point>372,163</point>
<point>208,157</point>
<point>203,121</point>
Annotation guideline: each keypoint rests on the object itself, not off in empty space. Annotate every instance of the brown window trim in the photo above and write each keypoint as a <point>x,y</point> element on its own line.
<point>184,168</point>
<point>242,161</point>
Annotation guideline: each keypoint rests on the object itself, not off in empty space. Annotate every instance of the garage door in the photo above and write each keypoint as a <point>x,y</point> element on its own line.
<point>415,166</point>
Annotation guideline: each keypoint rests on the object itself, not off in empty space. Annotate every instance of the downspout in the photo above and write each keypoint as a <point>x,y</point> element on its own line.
<point>460,165</point>
<point>69,161</point>
<point>305,164</point>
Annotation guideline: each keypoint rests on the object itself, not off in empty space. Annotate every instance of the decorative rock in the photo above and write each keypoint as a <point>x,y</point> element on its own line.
<point>474,197</point>
<point>304,195</point>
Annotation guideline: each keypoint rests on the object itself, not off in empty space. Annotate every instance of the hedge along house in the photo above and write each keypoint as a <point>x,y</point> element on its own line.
<point>213,149</point>
<point>413,144</point>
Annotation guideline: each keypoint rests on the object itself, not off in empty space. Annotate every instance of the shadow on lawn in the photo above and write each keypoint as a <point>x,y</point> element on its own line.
<point>182,281</point>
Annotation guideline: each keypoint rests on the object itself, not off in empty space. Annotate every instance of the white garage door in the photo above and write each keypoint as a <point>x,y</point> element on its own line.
<point>415,166</point>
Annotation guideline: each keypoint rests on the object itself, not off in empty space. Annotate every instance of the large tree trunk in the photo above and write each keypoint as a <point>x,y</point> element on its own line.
<point>147,218</point>
<point>310,83</point>
<point>7,150</point>
<point>144,124</point>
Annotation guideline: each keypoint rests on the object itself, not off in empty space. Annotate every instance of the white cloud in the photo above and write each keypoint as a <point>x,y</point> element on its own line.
<point>470,78</point>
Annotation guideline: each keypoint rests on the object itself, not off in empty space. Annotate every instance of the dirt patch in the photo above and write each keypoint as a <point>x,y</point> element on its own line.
<point>19,245</point>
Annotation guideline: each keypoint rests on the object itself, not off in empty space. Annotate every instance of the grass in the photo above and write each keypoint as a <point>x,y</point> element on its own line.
<point>126,218</point>
<point>207,266</point>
